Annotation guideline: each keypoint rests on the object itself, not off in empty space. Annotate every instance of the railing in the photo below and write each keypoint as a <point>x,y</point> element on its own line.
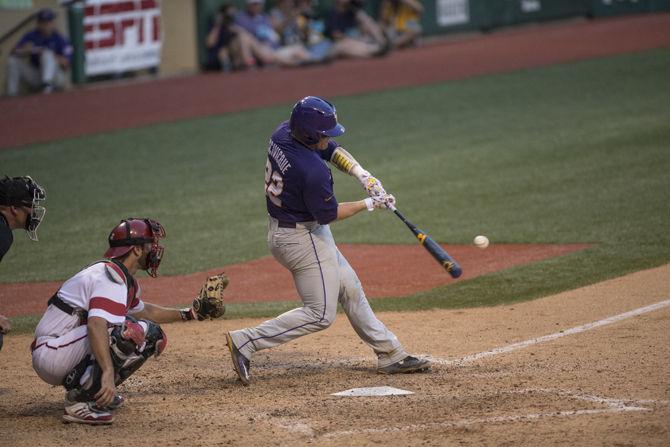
<point>8,35</point>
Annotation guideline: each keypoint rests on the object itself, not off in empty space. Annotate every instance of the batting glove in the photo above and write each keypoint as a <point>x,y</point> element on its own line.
<point>374,187</point>
<point>380,202</point>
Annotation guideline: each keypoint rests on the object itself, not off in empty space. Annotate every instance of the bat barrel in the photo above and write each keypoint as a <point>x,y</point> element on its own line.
<point>436,251</point>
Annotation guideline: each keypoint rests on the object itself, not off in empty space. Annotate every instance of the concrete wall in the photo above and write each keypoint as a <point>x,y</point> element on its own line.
<point>179,37</point>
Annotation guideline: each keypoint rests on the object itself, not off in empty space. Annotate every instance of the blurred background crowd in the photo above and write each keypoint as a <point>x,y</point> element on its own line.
<point>294,33</point>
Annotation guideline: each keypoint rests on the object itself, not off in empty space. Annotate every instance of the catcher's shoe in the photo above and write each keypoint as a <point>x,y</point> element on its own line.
<point>77,395</point>
<point>407,365</point>
<point>116,403</point>
<point>240,362</point>
<point>87,413</point>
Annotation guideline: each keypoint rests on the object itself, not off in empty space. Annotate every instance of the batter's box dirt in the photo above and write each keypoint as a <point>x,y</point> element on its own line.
<point>528,405</point>
<point>342,417</point>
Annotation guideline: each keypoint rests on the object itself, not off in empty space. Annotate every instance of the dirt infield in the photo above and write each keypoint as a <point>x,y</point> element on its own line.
<point>598,384</point>
<point>385,271</point>
<point>104,108</point>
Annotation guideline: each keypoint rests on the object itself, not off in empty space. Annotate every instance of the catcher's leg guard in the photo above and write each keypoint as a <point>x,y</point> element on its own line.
<point>83,392</point>
<point>155,341</point>
<point>127,358</point>
<point>73,379</point>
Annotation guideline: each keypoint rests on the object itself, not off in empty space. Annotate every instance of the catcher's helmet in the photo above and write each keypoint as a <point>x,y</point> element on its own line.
<point>26,192</point>
<point>137,231</point>
<point>313,117</point>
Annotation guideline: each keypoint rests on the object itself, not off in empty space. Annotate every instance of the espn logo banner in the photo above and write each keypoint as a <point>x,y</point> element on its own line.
<point>121,35</point>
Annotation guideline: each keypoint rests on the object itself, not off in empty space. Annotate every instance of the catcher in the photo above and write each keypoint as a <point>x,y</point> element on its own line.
<point>97,330</point>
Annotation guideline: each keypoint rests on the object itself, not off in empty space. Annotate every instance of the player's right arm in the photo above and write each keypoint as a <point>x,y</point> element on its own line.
<point>348,209</point>
<point>99,339</point>
<point>106,307</point>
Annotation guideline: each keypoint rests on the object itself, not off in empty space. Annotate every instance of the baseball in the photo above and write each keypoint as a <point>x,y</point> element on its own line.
<point>481,241</point>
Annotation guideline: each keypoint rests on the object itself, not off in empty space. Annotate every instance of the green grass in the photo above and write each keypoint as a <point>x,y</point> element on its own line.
<point>570,153</point>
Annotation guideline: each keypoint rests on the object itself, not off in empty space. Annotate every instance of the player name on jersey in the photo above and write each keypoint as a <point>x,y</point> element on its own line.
<point>278,155</point>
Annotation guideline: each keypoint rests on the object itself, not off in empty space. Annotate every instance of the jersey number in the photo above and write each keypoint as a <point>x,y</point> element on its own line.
<point>274,184</point>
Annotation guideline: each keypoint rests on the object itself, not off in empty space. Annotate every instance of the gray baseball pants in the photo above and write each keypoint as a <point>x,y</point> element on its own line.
<point>19,69</point>
<point>322,277</point>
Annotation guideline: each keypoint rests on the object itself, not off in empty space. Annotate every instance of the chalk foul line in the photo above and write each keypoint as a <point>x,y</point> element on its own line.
<point>554,336</point>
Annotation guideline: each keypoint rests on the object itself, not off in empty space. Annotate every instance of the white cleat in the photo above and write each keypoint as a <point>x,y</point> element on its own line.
<point>87,413</point>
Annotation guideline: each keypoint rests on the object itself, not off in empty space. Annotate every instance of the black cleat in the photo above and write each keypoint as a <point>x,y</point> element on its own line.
<point>240,362</point>
<point>407,365</point>
<point>78,395</point>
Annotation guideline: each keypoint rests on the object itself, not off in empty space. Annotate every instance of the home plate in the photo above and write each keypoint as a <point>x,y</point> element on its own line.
<point>373,391</point>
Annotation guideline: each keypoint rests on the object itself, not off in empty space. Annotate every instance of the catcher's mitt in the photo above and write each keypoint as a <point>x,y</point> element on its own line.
<point>209,302</point>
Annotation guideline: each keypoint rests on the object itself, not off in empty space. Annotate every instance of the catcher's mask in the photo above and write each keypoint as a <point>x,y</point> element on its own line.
<point>25,192</point>
<point>137,231</point>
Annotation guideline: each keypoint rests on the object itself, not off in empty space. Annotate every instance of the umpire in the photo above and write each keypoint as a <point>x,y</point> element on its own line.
<point>20,207</point>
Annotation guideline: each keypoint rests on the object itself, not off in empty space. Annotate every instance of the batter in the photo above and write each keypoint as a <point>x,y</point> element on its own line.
<point>301,204</point>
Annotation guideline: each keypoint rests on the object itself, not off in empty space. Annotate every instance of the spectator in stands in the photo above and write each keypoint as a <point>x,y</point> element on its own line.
<point>297,24</point>
<point>283,18</point>
<point>223,52</point>
<point>254,20</point>
<point>401,20</point>
<point>41,59</point>
<point>260,41</point>
<point>354,32</point>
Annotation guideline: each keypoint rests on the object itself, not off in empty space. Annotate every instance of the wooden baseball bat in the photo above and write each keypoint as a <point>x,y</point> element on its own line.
<point>436,251</point>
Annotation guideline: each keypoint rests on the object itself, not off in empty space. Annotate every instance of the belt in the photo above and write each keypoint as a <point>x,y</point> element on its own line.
<point>62,305</point>
<point>281,224</point>
<point>65,307</point>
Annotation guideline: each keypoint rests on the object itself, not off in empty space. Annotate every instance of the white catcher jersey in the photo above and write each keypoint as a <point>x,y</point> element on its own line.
<point>99,289</point>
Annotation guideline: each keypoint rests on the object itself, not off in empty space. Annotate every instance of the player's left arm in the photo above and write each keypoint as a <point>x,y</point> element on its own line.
<point>346,163</point>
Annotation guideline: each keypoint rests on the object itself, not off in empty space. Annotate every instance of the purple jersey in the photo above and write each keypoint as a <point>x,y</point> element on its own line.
<point>298,183</point>
<point>54,42</point>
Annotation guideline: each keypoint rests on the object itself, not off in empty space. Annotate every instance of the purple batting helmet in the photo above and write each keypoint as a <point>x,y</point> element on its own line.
<point>312,118</point>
